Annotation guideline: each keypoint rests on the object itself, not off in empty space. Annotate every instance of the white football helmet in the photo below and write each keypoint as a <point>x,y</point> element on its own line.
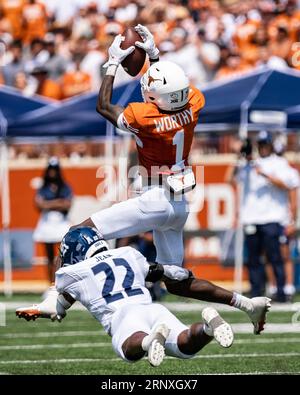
<point>166,85</point>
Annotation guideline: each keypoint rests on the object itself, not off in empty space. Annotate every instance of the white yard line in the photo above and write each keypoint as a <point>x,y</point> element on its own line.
<point>108,344</point>
<point>269,328</point>
<point>177,306</point>
<point>208,356</point>
<point>31,335</point>
<point>49,346</point>
<point>238,328</point>
<point>198,306</point>
<point>267,340</point>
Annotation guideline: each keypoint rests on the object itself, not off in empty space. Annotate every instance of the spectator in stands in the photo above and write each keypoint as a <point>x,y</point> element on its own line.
<point>56,64</point>
<point>258,32</point>
<point>34,20</point>
<point>75,82</point>
<point>20,82</point>
<point>123,10</point>
<point>281,45</point>
<point>259,40</point>
<point>61,13</point>
<point>186,55</point>
<point>265,185</point>
<point>224,54</point>
<point>91,63</point>
<point>209,55</point>
<point>16,64</point>
<point>45,86</point>
<point>266,59</point>
<point>13,12</point>
<point>289,224</point>
<point>37,56</point>
<point>234,67</point>
<point>246,25</point>
<point>53,200</point>
<point>81,25</point>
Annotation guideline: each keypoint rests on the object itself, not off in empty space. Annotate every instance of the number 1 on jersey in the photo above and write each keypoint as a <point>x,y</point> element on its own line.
<point>178,140</point>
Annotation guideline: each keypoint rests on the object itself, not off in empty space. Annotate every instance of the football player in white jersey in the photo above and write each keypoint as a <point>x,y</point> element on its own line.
<point>111,285</point>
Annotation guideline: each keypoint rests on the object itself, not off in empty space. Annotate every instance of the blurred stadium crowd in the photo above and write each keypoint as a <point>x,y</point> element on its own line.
<point>56,48</point>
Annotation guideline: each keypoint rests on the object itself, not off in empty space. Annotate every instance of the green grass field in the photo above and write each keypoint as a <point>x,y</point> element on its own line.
<point>79,346</point>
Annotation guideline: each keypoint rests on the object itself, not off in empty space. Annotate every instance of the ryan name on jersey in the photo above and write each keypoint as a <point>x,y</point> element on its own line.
<point>174,121</point>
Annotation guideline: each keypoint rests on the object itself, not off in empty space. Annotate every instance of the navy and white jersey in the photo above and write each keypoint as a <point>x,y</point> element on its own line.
<point>107,282</point>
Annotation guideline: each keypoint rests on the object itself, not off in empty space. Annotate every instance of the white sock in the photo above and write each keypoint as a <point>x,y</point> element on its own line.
<point>145,342</point>
<point>208,330</point>
<point>51,298</point>
<point>241,302</point>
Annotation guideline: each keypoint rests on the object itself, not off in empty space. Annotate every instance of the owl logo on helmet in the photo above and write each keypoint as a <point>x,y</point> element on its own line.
<point>166,85</point>
<point>81,243</point>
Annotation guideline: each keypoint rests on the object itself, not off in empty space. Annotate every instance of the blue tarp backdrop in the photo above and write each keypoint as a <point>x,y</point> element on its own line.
<point>75,117</point>
<point>263,90</point>
<point>227,103</point>
<point>13,104</point>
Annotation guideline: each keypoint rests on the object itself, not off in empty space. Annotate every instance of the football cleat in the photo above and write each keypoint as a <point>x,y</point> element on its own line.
<point>49,308</point>
<point>261,305</point>
<point>35,311</point>
<point>217,327</point>
<point>154,344</point>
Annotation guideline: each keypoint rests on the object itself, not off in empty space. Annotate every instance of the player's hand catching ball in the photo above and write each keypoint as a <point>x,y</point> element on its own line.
<point>148,44</point>
<point>174,272</point>
<point>117,54</point>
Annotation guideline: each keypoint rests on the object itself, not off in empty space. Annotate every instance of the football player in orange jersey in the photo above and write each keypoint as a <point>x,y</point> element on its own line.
<point>163,126</point>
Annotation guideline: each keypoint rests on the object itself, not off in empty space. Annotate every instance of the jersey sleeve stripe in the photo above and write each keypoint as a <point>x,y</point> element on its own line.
<point>124,125</point>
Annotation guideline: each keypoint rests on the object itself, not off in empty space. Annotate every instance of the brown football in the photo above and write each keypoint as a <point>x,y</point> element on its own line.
<point>134,62</point>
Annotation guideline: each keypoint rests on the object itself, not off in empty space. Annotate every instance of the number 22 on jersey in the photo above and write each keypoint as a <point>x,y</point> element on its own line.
<point>110,272</point>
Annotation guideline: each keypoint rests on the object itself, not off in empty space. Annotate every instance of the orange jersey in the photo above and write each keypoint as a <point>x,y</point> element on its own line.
<point>245,32</point>
<point>12,10</point>
<point>50,89</point>
<point>226,72</point>
<point>163,138</point>
<point>35,20</point>
<point>75,83</point>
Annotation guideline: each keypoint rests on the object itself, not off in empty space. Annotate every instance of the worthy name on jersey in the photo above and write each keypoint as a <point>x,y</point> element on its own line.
<point>158,132</point>
<point>170,122</point>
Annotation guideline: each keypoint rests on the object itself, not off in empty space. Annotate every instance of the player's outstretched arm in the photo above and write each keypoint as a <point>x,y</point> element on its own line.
<point>104,105</point>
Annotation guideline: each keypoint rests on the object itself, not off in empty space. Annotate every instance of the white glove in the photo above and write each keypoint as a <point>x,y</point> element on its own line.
<point>174,272</point>
<point>117,54</point>
<point>148,44</point>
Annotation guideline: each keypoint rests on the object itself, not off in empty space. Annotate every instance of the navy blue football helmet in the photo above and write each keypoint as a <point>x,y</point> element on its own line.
<point>80,244</point>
